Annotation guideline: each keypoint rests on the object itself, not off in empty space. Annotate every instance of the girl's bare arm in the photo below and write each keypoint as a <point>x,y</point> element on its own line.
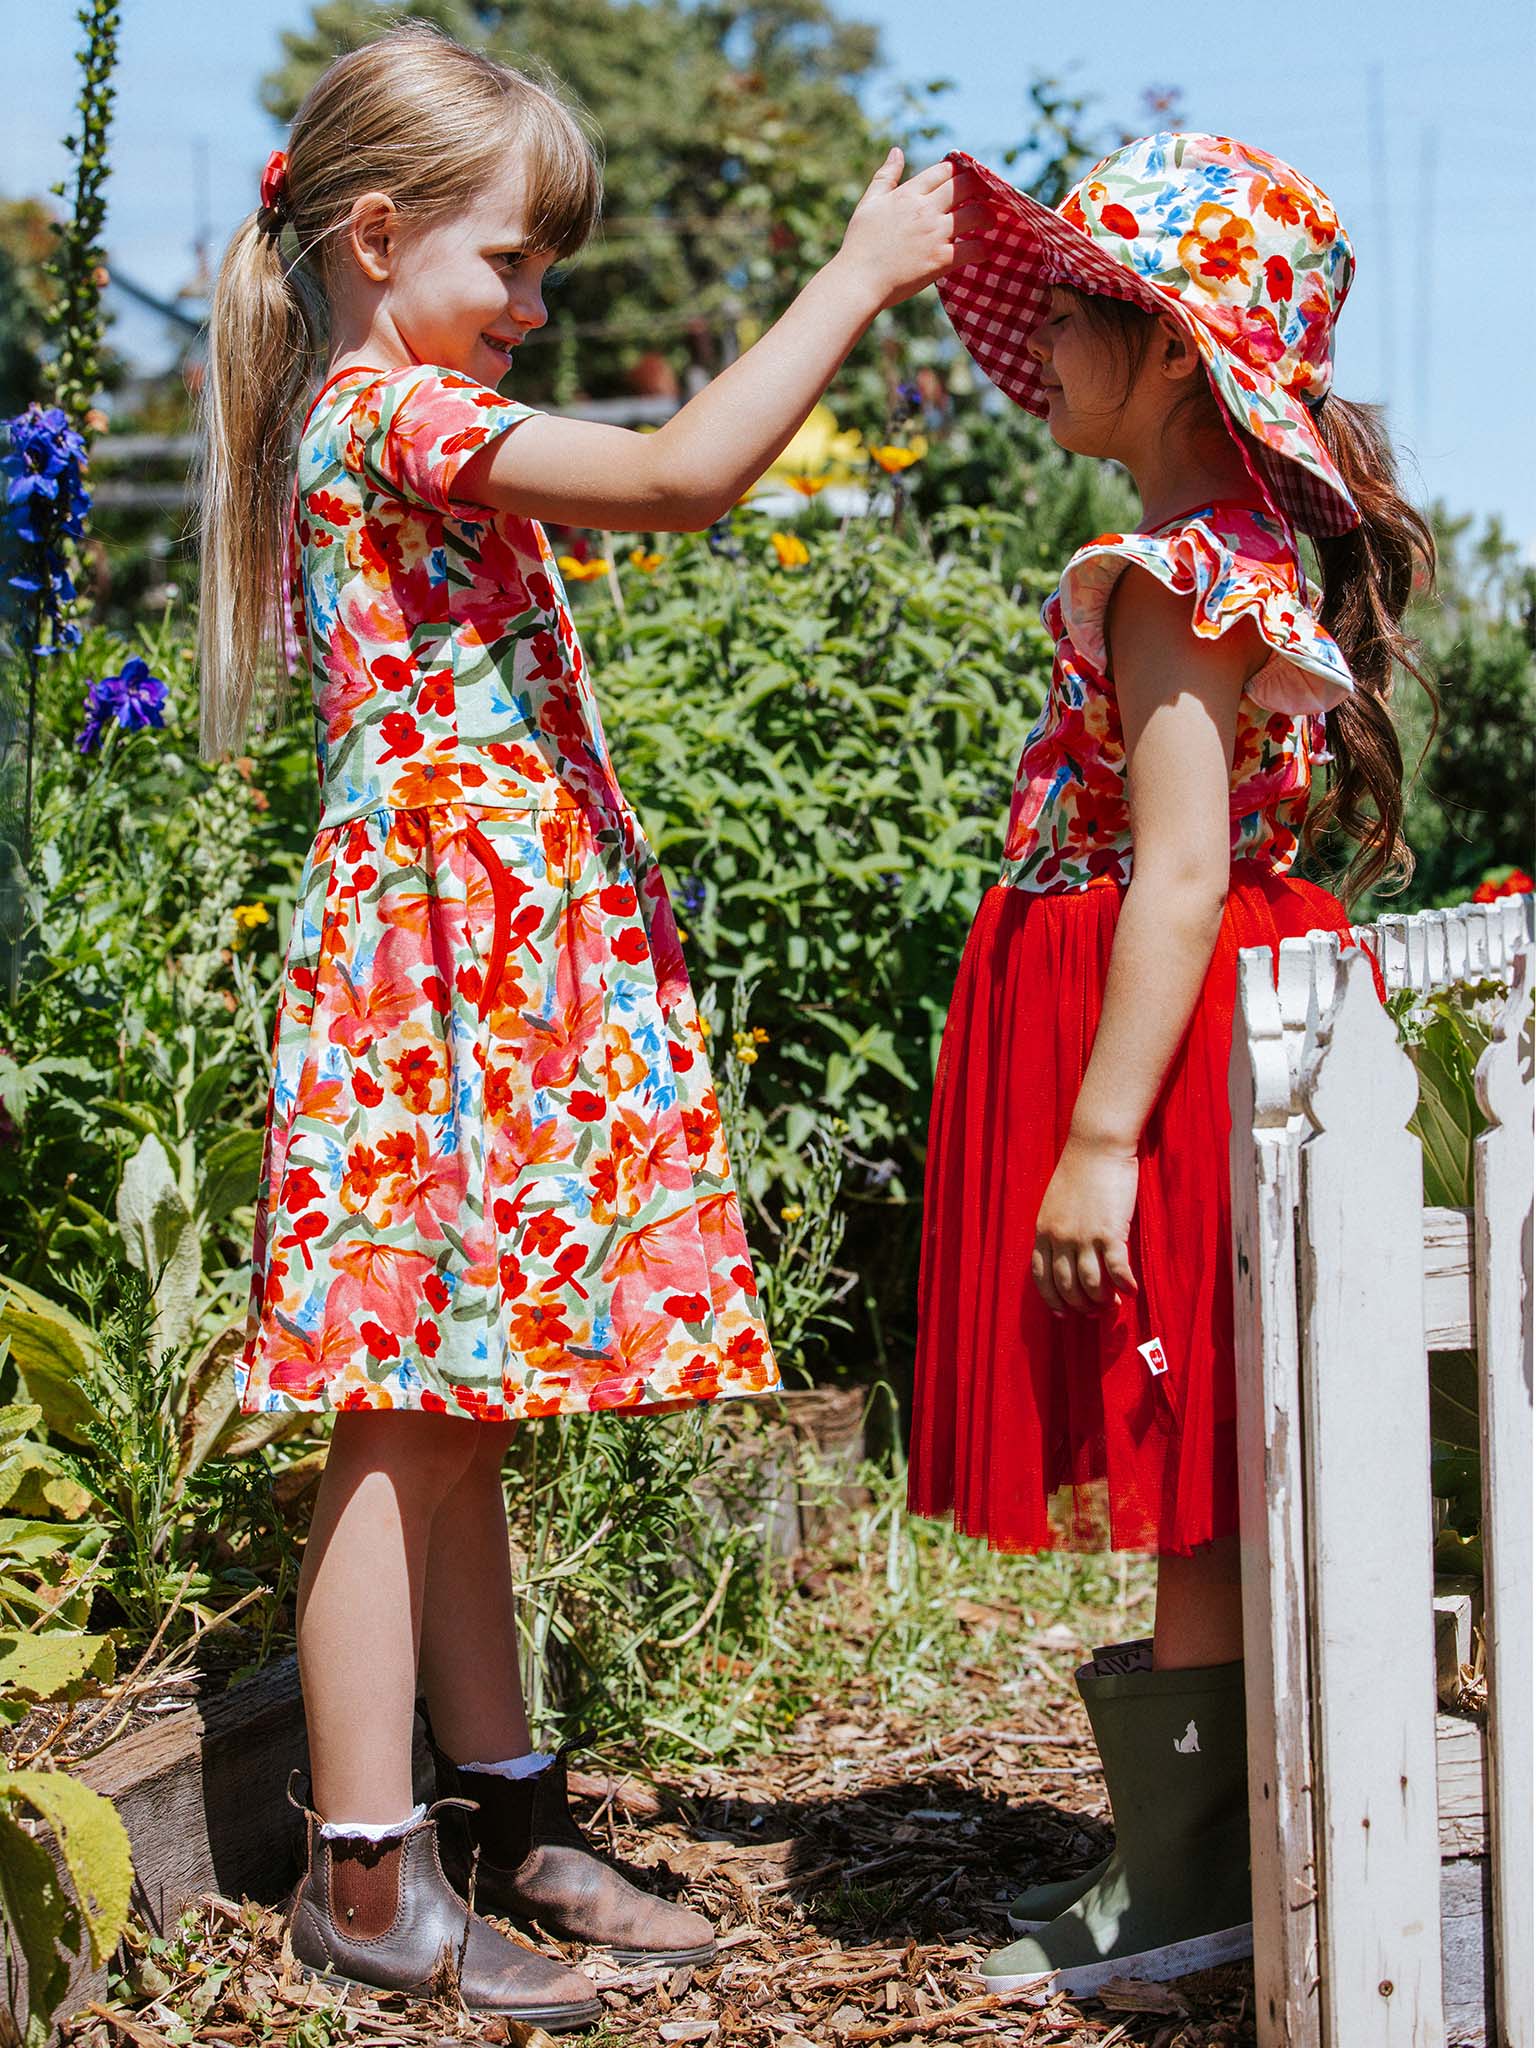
<point>1178,699</point>
<point>692,470</point>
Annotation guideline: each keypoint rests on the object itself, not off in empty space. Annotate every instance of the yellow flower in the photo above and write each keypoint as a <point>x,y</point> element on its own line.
<point>892,459</point>
<point>249,915</point>
<point>575,571</point>
<point>807,486</point>
<point>646,559</point>
<point>791,1212</point>
<point>747,1054</point>
<point>759,1035</point>
<point>790,549</point>
<point>682,936</point>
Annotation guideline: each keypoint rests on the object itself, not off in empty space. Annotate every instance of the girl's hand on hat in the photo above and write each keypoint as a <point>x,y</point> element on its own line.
<point>1081,1261</point>
<point>902,237</point>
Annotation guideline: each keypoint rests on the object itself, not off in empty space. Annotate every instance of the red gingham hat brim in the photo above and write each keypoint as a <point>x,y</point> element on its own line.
<point>996,304</point>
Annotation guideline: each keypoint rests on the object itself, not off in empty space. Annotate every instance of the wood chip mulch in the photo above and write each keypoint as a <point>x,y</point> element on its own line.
<point>856,1877</point>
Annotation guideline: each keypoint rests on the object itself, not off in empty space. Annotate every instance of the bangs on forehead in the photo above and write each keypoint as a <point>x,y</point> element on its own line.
<point>565,185</point>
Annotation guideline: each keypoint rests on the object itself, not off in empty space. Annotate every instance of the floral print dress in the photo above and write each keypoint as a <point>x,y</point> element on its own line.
<point>495,1183</point>
<point>1069,823</point>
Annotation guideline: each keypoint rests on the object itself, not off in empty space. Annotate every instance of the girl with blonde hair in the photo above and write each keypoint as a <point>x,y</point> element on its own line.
<point>495,1186</point>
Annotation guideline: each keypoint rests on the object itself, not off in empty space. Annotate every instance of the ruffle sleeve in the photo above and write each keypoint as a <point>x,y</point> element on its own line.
<point>413,431</point>
<point>1232,568</point>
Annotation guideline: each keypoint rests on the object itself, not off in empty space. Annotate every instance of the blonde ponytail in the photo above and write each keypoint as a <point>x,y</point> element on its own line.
<point>266,340</point>
<point>417,116</point>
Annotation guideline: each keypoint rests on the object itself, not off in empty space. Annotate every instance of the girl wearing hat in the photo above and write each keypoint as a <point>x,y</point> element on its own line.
<point>1075,1371</point>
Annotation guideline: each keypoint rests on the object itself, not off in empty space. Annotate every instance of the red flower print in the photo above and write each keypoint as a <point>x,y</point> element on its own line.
<point>435,694</point>
<point>603,1179</point>
<point>542,1233</point>
<point>618,899</point>
<point>365,1172</point>
<point>688,1308</point>
<point>541,591</point>
<point>630,946</point>
<point>327,506</point>
<point>305,1228</point>
<point>548,662</point>
<point>477,1404</point>
<point>1279,278</point>
<point>300,1188</point>
<point>378,1340</point>
<point>745,1278</point>
<point>1120,221</point>
<point>400,735</point>
<point>700,1126</point>
<point>436,1292</point>
<point>746,1348</point>
<point>392,672</point>
<point>433,1403</point>
<point>680,1056</point>
<point>429,1338</point>
<point>397,1151</point>
<point>587,1106</point>
<point>418,1075</point>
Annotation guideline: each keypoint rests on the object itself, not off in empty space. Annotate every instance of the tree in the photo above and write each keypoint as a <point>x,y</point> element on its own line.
<point>735,146</point>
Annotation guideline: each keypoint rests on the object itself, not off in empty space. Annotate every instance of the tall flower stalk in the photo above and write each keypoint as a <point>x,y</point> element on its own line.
<point>43,459</point>
<point>78,264</point>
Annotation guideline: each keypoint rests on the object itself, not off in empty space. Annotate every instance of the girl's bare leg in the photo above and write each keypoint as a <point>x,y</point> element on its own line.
<point>360,1603</point>
<point>1199,1608</point>
<point>469,1669</point>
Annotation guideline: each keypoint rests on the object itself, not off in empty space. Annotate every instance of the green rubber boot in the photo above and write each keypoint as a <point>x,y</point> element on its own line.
<point>1174,1896</point>
<point>1038,1904</point>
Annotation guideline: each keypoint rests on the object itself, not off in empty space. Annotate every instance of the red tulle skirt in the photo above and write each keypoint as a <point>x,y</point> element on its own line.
<point>1037,1431</point>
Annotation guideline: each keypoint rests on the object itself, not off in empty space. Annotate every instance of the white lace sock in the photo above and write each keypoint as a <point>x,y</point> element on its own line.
<point>528,1766</point>
<point>370,1830</point>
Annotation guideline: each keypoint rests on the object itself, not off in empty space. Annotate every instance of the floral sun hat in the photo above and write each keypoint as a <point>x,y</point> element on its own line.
<point>1245,252</point>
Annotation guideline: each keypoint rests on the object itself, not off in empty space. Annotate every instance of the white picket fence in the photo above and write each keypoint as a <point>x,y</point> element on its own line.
<point>1344,1281</point>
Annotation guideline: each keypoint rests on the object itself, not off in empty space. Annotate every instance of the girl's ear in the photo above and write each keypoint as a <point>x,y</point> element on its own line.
<point>1177,356</point>
<point>371,235</point>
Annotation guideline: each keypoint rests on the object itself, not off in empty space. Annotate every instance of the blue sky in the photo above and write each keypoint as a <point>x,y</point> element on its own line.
<point>1413,114</point>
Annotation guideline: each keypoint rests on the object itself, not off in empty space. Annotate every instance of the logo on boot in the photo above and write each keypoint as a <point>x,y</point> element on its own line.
<point>1188,1743</point>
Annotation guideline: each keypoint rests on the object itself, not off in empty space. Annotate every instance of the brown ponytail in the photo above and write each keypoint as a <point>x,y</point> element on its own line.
<point>411,114</point>
<point>1369,576</point>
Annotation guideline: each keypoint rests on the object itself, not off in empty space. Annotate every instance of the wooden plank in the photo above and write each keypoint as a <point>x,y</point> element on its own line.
<point>1263,1170</point>
<point>1461,1784</point>
<point>1369,1546</point>
<point>1450,1312</point>
<point>1502,1180</point>
<point>1466,1953</point>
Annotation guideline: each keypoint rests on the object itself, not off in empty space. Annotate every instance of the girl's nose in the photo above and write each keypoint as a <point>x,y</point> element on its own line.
<point>1037,346</point>
<point>529,310</point>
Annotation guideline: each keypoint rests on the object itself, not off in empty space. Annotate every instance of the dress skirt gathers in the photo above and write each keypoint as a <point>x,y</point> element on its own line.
<point>1037,1431</point>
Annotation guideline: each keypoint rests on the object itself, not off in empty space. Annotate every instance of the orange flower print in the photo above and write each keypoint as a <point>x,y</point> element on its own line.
<point>1220,246</point>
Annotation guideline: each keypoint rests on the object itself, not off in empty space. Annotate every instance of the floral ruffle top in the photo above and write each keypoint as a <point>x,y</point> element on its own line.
<point>1069,823</point>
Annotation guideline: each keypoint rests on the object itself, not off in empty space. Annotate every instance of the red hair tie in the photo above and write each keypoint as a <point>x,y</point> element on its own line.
<point>274,184</point>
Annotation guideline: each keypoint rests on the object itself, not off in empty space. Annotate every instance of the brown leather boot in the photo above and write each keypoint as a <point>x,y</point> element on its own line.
<point>384,1915</point>
<point>534,1863</point>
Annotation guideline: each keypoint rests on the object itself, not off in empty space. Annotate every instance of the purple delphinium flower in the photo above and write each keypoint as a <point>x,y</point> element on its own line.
<point>45,502</point>
<point>135,698</point>
<point>693,895</point>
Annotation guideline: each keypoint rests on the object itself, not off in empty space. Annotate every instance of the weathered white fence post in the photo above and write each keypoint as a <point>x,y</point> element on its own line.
<point>1343,1282</point>
<point>1370,1580</point>
<point>1502,1251</point>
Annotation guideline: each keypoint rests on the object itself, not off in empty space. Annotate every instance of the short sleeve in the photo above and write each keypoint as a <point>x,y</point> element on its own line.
<point>412,432</point>
<point>1239,568</point>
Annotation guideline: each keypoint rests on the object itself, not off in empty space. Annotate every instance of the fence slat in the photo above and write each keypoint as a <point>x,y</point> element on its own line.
<point>1450,1316</point>
<point>1502,1243</point>
<point>1371,1580</point>
<point>1269,1442</point>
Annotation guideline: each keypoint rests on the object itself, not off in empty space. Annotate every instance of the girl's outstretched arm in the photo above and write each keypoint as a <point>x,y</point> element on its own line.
<point>1178,699</point>
<point>692,470</point>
